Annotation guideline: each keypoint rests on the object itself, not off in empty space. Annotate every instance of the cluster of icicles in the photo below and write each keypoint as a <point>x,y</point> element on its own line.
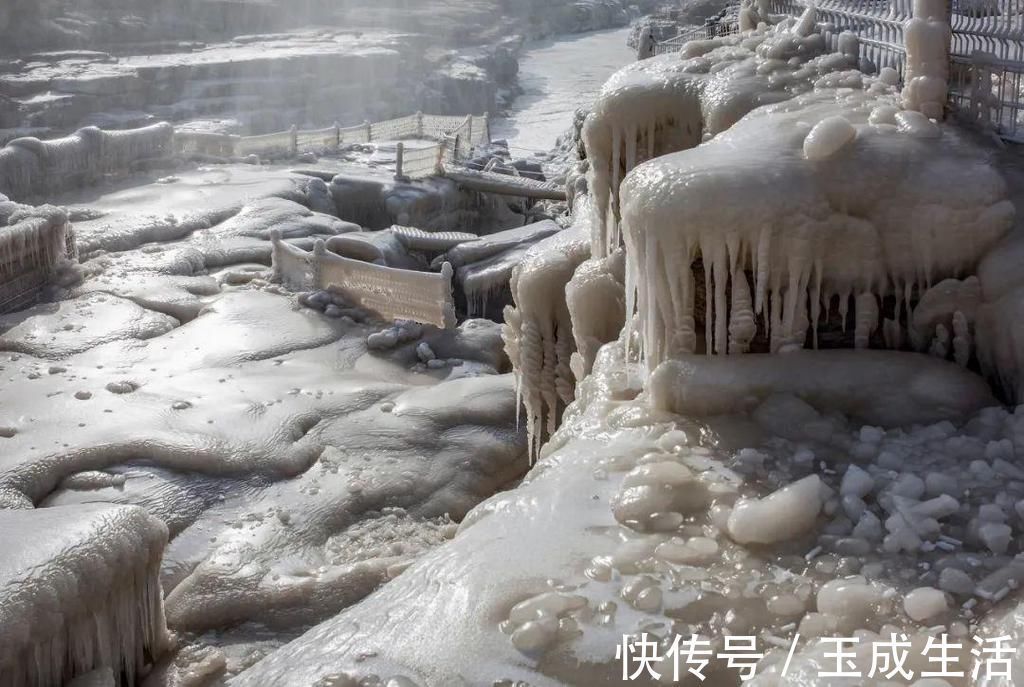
<point>31,167</point>
<point>769,283</point>
<point>32,243</point>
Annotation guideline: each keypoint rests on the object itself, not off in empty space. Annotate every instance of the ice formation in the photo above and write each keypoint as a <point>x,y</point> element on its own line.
<point>483,267</point>
<point>930,210</point>
<point>30,167</point>
<point>311,461</point>
<point>538,331</point>
<point>32,245</point>
<point>79,589</point>
<point>676,101</point>
<point>928,39</point>
<point>642,520</point>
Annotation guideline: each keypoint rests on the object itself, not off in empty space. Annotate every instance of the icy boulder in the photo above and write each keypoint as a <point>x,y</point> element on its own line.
<point>79,590</point>
<point>878,387</point>
<point>789,239</point>
<point>483,268</point>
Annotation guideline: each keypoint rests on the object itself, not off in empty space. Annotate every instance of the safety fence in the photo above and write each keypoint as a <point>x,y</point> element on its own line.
<point>878,25</point>
<point>30,251</point>
<point>31,167</point>
<point>986,62</point>
<point>389,292</point>
<point>725,24</point>
<point>454,138</point>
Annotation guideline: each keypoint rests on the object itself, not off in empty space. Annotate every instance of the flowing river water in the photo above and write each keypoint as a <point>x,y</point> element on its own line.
<point>558,76</point>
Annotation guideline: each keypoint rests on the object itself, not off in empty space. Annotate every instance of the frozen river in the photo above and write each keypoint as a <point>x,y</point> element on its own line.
<point>558,76</point>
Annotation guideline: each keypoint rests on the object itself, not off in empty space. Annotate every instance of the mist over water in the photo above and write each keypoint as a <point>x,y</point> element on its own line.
<point>557,77</point>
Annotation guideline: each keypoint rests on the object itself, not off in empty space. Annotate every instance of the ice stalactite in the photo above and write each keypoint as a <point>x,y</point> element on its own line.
<point>79,590</point>
<point>928,38</point>
<point>31,249</point>
<point>801,229</point>
<point>597,305</point>
<point>538,331</point>
<point>674,102</point>
<point>483,267</point>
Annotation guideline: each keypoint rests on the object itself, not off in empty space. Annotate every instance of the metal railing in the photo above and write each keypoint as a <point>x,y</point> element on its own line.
<point>725,24</point>
<point>389,292</point>
<point>987,65</point>
<point>878,25</point>
<point>455,138</point>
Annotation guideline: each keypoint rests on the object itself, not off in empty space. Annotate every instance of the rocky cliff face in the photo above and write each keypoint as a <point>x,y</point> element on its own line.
<point>257,65</point>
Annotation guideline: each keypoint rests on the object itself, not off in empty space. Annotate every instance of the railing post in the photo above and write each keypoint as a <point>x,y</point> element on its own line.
<point>439,163</point>
<point>487,125</point>
<point>294,133</point>
<point>337,135</point>
<point>399,160</point>
<point>275,262</point>
<point>419,125</point>
<point>369,130</point>
<point>469,131</point>
<point>455,150</point>
<point>319,252</point>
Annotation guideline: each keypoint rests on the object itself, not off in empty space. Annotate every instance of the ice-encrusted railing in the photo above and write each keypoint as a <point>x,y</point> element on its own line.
<point>726,24</point>
<point>986,51</point>
<point>31,167</point>
<point>391,293</point>
<point>987,64</point>
<point>30,251</point>
<point>454,136</point>
<point>878,24</point>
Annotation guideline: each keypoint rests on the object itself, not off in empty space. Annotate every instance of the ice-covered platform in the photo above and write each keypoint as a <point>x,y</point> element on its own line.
<point>79,590</point>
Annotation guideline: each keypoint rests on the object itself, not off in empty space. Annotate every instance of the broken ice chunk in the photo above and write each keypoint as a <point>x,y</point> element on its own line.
<point>779,516</point>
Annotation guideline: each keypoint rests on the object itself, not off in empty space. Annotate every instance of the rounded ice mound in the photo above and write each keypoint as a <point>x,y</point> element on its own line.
<point>779,516</point>
<point>916,124</point>
<point>828,137</point>
<point>925,603</point>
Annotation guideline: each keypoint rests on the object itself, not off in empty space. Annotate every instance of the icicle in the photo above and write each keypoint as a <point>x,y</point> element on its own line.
<point>762,267</point>
<point>940,344</point>
<point>631,146</point>
<point>892,332</point>
<point>613,215</point>
<point>962,341</point>
<point>816,301</point>
<point>742,326</point>
<point>844,307</point>
<point>720,282</point>
<point>866,313</point>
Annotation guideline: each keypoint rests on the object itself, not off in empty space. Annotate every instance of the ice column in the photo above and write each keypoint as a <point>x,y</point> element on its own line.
<point>928,39</point>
